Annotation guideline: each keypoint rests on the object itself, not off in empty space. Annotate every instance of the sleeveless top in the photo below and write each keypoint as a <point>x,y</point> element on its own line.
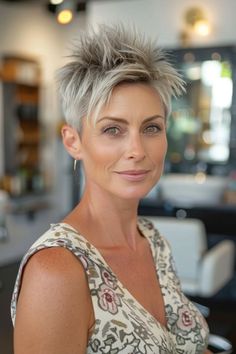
<point>122,325</point>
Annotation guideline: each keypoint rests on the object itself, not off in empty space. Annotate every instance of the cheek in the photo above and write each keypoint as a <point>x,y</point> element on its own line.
<point>101,154</point>
<point>158,151</point>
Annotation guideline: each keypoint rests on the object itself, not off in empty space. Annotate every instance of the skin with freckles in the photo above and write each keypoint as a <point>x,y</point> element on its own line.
<point>123,154</point>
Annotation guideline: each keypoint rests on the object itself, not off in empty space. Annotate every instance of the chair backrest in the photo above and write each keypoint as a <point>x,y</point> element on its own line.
<point>187,238</point>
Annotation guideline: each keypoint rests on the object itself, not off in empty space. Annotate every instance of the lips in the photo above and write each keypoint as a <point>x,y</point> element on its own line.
<point>133,175</point>
<point>133,172</point>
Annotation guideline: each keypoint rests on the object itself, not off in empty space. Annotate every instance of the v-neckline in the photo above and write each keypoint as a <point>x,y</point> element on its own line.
<point>119,283</point>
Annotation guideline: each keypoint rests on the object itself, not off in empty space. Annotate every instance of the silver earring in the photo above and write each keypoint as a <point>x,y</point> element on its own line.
<point>75,163</point>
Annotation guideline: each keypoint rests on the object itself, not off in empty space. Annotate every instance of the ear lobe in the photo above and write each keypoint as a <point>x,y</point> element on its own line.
<point>71,141</point>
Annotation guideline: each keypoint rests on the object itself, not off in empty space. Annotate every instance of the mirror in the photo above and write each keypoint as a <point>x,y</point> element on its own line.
<point>200,126</point>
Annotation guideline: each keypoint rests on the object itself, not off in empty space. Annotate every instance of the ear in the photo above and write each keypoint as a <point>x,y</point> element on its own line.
<point>71,141</point>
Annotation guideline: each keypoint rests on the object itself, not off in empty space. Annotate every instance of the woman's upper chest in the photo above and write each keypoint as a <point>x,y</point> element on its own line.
<point>133,310</point>
<point>137,273</point>
<point>122,320</point>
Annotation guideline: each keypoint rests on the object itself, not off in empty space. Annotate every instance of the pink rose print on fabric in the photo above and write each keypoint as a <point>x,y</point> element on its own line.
<point>108,279</point>
<point>108,299</point>
<point>186,321</point>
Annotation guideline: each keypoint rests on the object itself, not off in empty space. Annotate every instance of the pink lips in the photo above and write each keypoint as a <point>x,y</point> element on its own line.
<point>134,175</point>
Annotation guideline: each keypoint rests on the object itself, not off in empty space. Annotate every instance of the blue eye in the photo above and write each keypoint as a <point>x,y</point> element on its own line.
<point>152,129</point>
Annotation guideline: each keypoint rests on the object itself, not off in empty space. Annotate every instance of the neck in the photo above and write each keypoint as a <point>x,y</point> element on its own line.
<point>106,220</point>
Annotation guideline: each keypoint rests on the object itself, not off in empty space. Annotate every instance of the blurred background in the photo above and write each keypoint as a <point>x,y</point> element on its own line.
<point>37,183</point>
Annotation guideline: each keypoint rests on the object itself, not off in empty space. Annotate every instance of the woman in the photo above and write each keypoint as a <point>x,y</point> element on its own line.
<point>102,280</point>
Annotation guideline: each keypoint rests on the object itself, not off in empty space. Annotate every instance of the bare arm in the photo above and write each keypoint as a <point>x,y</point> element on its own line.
<point>208,352</point>
<point>54,310</point>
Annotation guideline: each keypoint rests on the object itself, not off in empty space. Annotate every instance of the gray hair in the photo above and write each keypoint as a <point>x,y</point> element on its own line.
<point>107,57</point>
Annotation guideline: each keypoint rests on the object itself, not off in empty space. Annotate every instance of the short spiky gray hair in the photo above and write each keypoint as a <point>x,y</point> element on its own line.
<point>107,57</point>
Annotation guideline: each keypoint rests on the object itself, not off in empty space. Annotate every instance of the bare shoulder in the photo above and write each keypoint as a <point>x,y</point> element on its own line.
<point>54,261</point>
<point>54,308</point>
<point>53,269</point>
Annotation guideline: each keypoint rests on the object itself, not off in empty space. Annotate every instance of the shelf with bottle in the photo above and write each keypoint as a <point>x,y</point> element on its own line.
<point>21,69</point>
<point>22,127</point>
<point>28,133</point>
<point>25,182</point>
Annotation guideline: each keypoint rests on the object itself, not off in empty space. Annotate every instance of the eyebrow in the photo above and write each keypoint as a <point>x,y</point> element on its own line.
<point>122,120</point>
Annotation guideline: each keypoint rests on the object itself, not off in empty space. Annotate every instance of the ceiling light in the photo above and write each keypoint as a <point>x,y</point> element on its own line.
<point>66,10</point>
<point>65,16</point>
<point>202,28</point>
<point>195,23</point>
<point>56,2</point>
<point>195,18</point>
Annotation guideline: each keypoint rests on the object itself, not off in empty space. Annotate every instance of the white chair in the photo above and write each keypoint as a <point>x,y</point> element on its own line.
<point>202,272</point>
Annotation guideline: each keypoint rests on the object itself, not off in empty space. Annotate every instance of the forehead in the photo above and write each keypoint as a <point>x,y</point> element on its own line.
<point>133,99</point>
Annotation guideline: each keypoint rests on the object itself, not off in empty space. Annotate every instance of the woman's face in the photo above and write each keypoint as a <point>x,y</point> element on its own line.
<point>123,153</point>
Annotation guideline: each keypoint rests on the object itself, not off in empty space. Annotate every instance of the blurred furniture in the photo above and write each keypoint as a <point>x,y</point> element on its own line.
<point>202,272</point>
<point>219,219</point>
<point>192,189</point>
<point>8,275</point>
<point>216,343</point>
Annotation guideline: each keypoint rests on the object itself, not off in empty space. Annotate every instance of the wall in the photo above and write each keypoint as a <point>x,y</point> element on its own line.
<point>163,19</point>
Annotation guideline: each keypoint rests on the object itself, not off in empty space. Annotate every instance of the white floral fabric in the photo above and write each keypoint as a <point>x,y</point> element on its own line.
<point>122,325</point>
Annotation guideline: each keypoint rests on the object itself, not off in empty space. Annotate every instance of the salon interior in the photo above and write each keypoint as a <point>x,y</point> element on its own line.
<point>193,205</point>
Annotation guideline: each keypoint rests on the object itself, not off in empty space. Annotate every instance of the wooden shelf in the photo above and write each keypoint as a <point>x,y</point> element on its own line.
<point>21,100</point>
<point>20,69</point>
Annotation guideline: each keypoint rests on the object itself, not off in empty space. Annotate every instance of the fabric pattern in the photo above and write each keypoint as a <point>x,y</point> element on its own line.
<point>122,325</point>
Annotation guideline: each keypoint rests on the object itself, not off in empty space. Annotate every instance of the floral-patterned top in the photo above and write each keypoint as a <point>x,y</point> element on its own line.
<point>122,325</point>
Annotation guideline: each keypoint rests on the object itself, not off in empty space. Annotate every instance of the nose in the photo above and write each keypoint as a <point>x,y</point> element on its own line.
<point>135,147</point>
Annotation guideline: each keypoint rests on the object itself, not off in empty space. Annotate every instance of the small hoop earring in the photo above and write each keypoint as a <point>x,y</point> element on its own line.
<point>75,163</point>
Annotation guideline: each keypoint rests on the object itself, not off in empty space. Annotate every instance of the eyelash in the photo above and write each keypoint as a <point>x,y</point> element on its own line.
<point>108,130</point>
<point>157,129</point>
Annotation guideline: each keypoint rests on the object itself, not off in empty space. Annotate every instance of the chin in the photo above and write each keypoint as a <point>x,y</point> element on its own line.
<point>133,194</point>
